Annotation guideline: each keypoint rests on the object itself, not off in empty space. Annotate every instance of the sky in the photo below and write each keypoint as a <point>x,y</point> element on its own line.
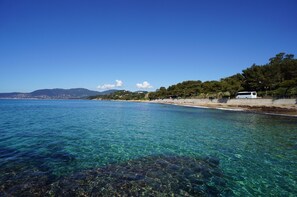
<point>137,45</point>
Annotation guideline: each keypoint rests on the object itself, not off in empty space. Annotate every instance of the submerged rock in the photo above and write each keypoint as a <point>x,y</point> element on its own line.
<point>148,176</point>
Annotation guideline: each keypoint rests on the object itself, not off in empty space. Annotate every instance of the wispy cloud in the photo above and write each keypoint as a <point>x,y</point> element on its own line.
<point>144,85</point>
<point>118,83</point>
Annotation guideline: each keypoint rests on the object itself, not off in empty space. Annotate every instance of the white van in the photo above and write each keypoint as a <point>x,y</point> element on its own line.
<point>247,94</point>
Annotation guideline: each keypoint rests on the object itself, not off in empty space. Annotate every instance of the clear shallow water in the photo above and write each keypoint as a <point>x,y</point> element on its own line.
<point>51,142</point>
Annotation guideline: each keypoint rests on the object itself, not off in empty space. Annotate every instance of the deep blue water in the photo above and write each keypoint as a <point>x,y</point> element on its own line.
<point>47,141</point>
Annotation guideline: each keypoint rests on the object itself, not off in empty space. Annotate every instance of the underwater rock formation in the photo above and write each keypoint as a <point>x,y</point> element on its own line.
<point>148,176</point>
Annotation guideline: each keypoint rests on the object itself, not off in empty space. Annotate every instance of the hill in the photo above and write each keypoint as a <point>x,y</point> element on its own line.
<point>122,95</point>
<point>57,93</point>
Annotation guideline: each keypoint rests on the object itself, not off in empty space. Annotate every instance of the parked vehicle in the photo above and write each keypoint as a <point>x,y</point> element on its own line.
<point>247,94</point>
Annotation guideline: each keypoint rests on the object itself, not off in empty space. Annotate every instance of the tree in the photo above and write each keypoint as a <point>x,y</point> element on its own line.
<point>288,84</point>
<point>232,85</point>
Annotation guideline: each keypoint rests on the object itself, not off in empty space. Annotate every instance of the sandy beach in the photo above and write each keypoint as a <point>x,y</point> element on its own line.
<point>273,109</point>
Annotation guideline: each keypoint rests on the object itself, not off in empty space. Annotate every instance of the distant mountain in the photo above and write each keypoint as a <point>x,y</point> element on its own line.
<point>57,93</point>
<point>107,92</point>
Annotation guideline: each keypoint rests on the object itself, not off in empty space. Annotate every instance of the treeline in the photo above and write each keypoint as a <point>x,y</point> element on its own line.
<point>122,95</point>
<point>278,78</point>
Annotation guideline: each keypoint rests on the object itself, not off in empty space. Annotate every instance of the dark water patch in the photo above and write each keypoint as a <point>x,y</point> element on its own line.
<point>24,171</point>
<point>62,157</point>
<point>149,176</point>
<point>7,153</point>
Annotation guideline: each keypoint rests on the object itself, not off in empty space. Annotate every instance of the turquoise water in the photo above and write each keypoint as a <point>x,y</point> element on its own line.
<point>47,144</point>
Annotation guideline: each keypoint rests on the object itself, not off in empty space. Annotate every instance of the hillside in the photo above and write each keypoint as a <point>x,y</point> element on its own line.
<point>122,95</point>
<point>276,79</point>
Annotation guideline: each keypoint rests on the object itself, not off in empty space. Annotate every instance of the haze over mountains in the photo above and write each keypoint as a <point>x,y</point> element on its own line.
<point>57,93</point>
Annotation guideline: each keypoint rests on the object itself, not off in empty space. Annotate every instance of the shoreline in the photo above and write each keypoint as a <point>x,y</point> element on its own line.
<point>280,110</point>
<point>239,109</point>
<point>276,109</point>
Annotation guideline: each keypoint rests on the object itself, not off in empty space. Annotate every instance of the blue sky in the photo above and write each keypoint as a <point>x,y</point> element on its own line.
<point>67,44</point>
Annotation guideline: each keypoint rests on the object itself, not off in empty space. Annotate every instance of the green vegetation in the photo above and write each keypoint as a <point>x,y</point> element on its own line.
<point>122,95</point>
<point>278,78</point>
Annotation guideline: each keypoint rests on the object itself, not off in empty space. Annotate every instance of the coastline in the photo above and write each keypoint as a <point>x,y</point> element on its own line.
<point>281,110</point>
<point>289,110</point>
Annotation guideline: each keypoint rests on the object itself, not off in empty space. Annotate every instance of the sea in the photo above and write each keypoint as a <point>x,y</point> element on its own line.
<point>114,148</point>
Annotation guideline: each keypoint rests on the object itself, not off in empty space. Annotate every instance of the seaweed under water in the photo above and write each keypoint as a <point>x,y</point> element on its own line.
<point>147,176</point>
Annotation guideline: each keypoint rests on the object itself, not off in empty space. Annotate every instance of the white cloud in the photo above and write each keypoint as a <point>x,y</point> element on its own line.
<point>144,85</point>
<point>118,83</point>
